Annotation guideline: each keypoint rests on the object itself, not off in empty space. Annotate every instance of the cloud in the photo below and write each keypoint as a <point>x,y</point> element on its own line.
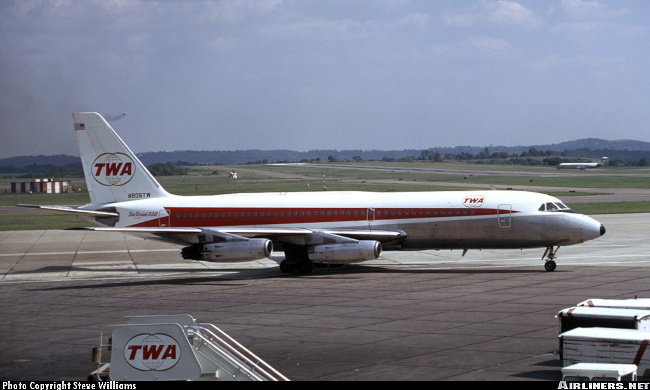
<point>235,10</point>
<point>495,12</point>
<point>320,28</point>
<point>418,20</point>
<point>512,12</point>
<point>486,44</point>
<point>300,74</point>
<point>591,10</point>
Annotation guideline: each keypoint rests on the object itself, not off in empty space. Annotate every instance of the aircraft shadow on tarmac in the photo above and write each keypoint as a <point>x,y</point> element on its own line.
<point>234,275</point>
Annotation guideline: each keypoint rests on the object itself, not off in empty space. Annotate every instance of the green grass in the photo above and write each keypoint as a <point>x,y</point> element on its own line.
<point>610,208</point>
<point>480,175</point>
<point>75,199</point>
<point>43,220</point>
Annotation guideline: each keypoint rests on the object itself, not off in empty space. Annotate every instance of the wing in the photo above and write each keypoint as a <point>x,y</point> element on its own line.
<point>295,236</point>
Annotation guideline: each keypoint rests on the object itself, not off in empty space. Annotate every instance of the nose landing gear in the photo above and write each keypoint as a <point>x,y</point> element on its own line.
<point>549,254</point>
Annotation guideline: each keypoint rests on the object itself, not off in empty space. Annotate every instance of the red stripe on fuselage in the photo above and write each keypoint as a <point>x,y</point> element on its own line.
<point>237,216</point>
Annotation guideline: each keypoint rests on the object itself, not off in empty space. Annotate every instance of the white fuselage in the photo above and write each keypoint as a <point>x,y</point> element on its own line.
<point>434,220</point>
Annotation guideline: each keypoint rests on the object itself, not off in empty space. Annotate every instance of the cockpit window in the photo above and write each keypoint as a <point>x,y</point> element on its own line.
<point>550,206</point>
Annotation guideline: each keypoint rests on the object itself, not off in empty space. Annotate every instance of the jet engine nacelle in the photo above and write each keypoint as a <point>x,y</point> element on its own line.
<point>345,253</point>
<point>230,251</point>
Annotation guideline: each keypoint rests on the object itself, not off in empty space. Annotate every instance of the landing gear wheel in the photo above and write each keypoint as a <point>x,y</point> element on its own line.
<point>550,255</point>
<point>550,266</point>
<point>305,267</point>
<point>291,267</point>
<point>288,267</point>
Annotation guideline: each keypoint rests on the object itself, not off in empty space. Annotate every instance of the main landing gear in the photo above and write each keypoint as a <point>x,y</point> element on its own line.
<point>296,260</point>
<point>549,263</point>
<point>292,266</point>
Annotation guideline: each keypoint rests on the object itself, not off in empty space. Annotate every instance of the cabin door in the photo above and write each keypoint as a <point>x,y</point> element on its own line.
<point>370,216</point>
<point>504,215</point>
<point>163,218</point>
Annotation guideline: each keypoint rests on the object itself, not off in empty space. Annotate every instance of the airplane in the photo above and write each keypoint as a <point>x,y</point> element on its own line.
<point>583,165</point>
<point>328,228</point>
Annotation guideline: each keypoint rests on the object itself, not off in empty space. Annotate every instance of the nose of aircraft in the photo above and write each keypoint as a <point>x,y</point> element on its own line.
<point>592,229</point>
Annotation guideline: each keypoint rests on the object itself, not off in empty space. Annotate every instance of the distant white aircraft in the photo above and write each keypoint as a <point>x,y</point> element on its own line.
<point>312,227</point>
<point>583,166</point>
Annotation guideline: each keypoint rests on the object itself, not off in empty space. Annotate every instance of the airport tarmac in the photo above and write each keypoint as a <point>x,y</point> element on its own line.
<point>408,316</point>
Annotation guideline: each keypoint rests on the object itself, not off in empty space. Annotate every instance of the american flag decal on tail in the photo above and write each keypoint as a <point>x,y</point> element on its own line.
<point>79,126</point>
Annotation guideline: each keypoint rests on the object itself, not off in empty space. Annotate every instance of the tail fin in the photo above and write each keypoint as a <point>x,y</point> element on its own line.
<point>113,172</point>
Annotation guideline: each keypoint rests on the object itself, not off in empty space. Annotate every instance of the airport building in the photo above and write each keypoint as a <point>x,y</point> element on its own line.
<point>46,186</point>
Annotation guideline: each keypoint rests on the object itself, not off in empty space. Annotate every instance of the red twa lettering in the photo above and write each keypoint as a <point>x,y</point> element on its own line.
<point>152,352</point>
<point>134,350</point>
<point>113,169</point>
<point>473,200</point>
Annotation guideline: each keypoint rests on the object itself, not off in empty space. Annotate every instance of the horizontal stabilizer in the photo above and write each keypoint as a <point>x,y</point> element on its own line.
<point>74,210</point>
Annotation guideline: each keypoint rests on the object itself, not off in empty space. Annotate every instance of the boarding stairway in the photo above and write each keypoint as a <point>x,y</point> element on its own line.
<point>176,347</point>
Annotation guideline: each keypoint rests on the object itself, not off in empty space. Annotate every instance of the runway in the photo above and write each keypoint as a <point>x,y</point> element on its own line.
<point>408,316</point>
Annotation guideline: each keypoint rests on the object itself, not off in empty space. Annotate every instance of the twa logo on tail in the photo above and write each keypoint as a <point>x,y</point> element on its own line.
<point>113,169</point>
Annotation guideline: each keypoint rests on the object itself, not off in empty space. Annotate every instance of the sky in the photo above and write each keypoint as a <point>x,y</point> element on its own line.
<point>323,74</point>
